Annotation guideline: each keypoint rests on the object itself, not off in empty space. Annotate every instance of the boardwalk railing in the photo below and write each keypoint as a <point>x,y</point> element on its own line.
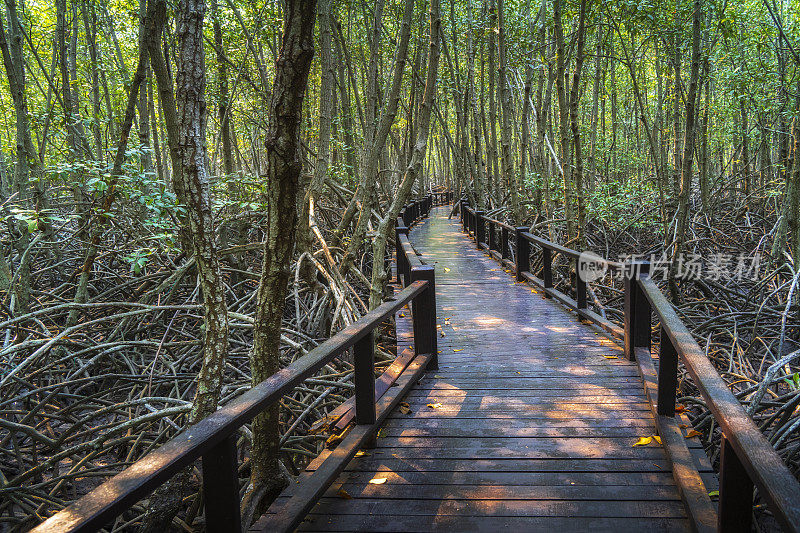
<point>747,458</point>
<point>214,438</point>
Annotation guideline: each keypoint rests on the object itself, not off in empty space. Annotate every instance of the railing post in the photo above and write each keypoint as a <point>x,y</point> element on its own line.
<point>637,310</point>
<point>423,312</point>
<point>491,235</point>
<point>364,380</point>
<point>580,285</point>
<point>505,252</point>
<point>221,487</point>
<point>547,269</point>
<point>667,375</point>
<point>480,224</point>
<point>735,492</point>
<point>402,265</point>
<point>523,258</point>
<point>406,216</point>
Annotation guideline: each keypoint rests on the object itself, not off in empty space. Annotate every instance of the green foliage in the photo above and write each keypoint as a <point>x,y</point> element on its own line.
<point>630,204</point>
<point>26,217</point>
<point>138,259</point>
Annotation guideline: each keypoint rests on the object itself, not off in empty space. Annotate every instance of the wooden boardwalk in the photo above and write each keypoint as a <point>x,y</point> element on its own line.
<point>528,424</point>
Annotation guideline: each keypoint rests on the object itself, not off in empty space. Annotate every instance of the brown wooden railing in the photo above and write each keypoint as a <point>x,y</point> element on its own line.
<point>214,438</point>
<point>747,458</point>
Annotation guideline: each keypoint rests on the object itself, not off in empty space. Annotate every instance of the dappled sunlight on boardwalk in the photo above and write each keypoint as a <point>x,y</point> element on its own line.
<point>528,424</point>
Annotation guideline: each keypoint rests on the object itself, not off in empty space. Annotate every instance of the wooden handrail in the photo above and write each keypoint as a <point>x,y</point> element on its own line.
<point>213,438</point>
<point>747,457</point>
<point>763,465</point>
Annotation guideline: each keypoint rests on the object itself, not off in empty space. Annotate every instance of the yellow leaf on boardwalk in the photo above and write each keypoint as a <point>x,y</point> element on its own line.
<point>458,349</point>
<point>344,495</point>
<point>436,405</point>
<point>657,438</point>
<point>611,357</point>
<point>693,433</point>
<point>378,480</point>
<point>643,441</point>
<point>446,269</point>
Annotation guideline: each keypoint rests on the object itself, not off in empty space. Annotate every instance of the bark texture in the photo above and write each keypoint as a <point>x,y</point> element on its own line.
<point>284,165</point>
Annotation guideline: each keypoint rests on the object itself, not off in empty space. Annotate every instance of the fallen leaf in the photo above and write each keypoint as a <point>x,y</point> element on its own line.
<point>693,433</point>
<point>402,315</point>
<point>405,408</point>
<point>361,453</point>
<point>680,408</point>
<point>458,349</point>
<point>611,357</point>
<point>713,493</point>
<point>436,405</point>
<point>343,495</point>
<point>643,441</point>
<point>378,480</point>
<point>437,376</point>
<point>657,438</point>
<point>382,433</point>
<point>446,269</point>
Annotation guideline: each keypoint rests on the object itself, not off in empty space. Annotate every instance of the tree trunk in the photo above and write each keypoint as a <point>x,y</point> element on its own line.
<point>284,165</point>
<point>326,94</point>
<point>573,115</point>
<point>27,160</point>
<point>688,152</point>
<point>414,168</point>
<point>506,131</point>
<point>493,164</point>
<point>372,151</point>
<point>563,123</point>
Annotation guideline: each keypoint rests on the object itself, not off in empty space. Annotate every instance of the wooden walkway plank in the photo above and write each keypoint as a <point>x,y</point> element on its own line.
<point>528,424</point>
